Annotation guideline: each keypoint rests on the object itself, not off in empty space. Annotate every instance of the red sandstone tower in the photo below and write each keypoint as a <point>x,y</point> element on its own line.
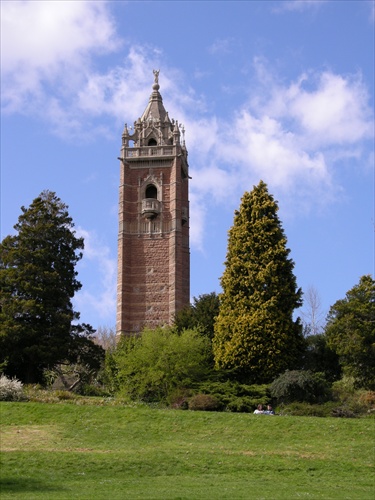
<point>153,244</point>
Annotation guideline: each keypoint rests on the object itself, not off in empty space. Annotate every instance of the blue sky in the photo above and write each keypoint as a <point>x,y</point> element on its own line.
<point>281,91</point>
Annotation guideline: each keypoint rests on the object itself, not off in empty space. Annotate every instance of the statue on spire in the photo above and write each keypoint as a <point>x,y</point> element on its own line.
<point>156,74</point>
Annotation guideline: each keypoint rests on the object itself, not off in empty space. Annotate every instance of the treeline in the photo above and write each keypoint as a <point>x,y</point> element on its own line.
<point>230,351</point>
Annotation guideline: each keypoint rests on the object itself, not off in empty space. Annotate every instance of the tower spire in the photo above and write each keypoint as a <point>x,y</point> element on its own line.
<point>155,110</point>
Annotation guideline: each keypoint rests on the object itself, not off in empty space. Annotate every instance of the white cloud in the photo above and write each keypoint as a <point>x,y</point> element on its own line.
<point>221,46</point>
<point>101,300</point>
<point>289,134</point>
<point>299,5</point>
<point>334,112</point>
<point>273,152</point>
<point>50,44</point>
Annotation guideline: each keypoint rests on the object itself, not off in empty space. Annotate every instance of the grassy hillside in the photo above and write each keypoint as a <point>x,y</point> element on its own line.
<point>67,451</point>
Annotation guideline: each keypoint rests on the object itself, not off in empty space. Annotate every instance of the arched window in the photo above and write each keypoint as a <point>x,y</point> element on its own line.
<point>152,142</point>
<point>151,192</point>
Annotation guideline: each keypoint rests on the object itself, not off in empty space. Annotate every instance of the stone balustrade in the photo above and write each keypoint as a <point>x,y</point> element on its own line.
<point>150,151</point>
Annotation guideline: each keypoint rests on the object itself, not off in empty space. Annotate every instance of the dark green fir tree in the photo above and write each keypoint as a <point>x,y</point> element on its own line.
<point>37,283</point>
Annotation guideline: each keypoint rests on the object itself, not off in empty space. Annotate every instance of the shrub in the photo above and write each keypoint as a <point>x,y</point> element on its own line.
<point>306,409</point>
<point>241,405</point>
<point>64,395</point>
<point>357,401</point>
<point>11,389</point>
<point>343,388</point>
<point>236,397</point>
<point>301,386</point>
<point>93,390</point>
<point>204,402</point>
<point>368,399</point>
<point>343,412</point>
<point>179,399</point>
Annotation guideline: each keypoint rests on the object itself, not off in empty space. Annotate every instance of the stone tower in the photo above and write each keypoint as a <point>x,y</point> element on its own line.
<point>153,244</point>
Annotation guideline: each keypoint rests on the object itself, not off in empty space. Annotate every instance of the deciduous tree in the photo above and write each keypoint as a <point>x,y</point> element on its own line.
<point>156,363</point>
<point>255,332</point>
<point>312,313</point>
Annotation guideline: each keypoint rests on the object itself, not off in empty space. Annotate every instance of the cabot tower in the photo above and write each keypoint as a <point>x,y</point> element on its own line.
<point>153,244</point>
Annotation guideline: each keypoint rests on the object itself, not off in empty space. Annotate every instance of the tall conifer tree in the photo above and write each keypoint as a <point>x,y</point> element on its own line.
<point>255,333</point>
<point>37,282</point>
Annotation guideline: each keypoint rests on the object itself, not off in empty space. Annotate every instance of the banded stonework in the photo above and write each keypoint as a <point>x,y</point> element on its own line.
<point>153,244</point>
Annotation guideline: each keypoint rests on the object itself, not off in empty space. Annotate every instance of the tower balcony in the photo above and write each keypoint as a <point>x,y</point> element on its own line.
<point>139,152</point>
<point>150,208</point>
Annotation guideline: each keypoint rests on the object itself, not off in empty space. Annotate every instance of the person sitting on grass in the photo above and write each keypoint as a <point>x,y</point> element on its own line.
<point>269,410</point>
<point>259,410</point>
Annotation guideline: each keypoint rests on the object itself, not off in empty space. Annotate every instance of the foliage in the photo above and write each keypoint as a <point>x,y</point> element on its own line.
<point>153,365</point>
<point>303,409</point>
<point>78,451</point>
<point>301,386</point>
<point>38,281</point>
<point>350,332</point>
<point>320,358</point>
<point>109,375</point>
<point>11,389</point>
<point>234,396</point>
<point>203,402</point>
<point>83,362</point>
<point>255,332</point>
<point>201,314</point>
<point>178,399</point>
<point>355,400</point>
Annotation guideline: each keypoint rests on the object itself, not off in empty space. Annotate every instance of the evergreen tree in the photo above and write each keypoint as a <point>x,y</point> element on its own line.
<point>350,332</point>
<point>255,334</point>
<point>37,282</point>
<point>201,314</point>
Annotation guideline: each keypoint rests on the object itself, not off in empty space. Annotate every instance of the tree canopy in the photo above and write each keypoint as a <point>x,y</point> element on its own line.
<point>38,280</point>
<point>158,362</point>
<point>350,332</point>
<point>200,314</point>
<point>255,333</point>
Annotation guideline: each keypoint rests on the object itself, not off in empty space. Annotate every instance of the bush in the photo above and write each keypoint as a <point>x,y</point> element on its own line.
<point>93,390</point>
<point>11,389</point>
<point>343,388</point>
<point>368,399</point>
<point>236,397</point>
<point>306,409</point>
<point>204,402</point>
<point>343,412</point>
<point>352,400</point>
<point>153,365</point>
<point>179,399</point>
<point>64,395</point>
<point>301,386</point>
<point>242,405</point>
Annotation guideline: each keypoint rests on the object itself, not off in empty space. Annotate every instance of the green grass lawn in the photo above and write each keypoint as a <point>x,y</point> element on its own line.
<point>67,451</point>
